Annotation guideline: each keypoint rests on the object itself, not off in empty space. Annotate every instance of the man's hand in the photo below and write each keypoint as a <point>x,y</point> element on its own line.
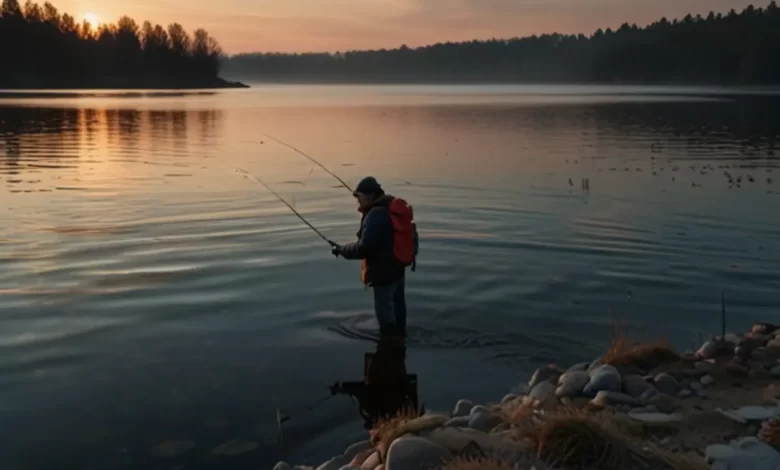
<point>335,248</point>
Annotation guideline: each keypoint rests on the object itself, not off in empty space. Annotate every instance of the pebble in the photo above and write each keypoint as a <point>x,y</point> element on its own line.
<point>746,414</point>
<point>335,463</point>
<point>664,403</point>
<point>457,440</point>
<point>582,366</point>
<point>571,384</point>
<point>415,453</point>
<point>714,348</point>
<point>667,384</point>
<point>696,386</point>
<point>462,408</point>
<point>704,366</point>
<point>685,393</point>
<point>541,393</point>
<point>544,374</point>
<point>603,379</point>
<point>509,398</point>
<point>372,462</point>
<point>775,371</point>
<point>654,417</point>
<point>478,409</point>
<point>484,421</point>
<point>635,385</point>
<point>707,380</point>
<point>736,370</point>
<point>745,454</point>
<point>357,448</point>
<point>282,466</point>
<point>763,329</point>
<point>459,422</point>
<point>604,399</point>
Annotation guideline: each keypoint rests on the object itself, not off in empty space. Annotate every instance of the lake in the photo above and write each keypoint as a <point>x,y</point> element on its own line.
<point>152,292</point>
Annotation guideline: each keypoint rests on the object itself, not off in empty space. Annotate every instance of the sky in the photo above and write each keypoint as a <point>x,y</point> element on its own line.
<point>338,25</point>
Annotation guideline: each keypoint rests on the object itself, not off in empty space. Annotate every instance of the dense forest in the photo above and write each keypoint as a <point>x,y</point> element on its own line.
<point>730,48</point>
<point>40,47</point>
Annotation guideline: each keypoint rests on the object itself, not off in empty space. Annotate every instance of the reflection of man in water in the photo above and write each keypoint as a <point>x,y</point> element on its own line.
<point>386,388</point>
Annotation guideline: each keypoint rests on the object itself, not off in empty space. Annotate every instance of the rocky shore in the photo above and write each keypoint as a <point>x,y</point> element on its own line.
<point>638,406</point>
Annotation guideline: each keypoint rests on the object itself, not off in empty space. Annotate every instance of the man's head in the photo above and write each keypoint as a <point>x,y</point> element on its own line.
<point>367,191</point>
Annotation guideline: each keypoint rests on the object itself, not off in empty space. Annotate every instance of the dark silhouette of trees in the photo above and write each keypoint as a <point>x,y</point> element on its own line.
<point>736,48</point>
<point>39,47</point>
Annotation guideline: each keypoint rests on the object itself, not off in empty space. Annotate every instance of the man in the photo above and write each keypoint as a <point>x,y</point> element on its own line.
<point>375,247</point>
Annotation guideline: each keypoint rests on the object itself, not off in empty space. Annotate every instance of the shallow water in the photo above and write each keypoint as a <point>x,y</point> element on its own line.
<point>151,292</point>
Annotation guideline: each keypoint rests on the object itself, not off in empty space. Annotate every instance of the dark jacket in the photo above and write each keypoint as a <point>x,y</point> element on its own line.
<point>375,245</point>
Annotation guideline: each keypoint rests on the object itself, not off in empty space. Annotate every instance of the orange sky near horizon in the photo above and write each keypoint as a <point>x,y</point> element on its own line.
<point>337,25</point>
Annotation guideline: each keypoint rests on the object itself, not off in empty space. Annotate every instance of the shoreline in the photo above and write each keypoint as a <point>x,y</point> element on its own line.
<point>151,84</point>
<point>638,406</point>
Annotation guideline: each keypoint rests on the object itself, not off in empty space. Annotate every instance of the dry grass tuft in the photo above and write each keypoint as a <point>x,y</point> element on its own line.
<point>646,356</point>
<point>386,427</point>
<point>477,464</point>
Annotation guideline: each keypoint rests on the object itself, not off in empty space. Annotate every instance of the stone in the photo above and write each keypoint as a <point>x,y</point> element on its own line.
<point>774,344</point>
<point>648,395</point>
<point>372,462</point>
<point>544,374</point>
<point>704,366</point>
<point>696,386</point>
<point>664,403</point>
<point>462,408</point>
<point>459,422</point>
<point>478,409</point>
<point>748,453</point>
<point>484,421</point>
<point>736,370</point>
<point>335,463</point>
<point>509,398</point>
<point>604,399</point>
<point>603,378</point>
<point>748,414</point>
<point>582,366</point>
<point>762,354</point>
<point>541,393</point>
<point>571,384</point>
<point>282,466</point>
<point>732,338</point>
<point>635,385</point>
<point>763,329</point>
<point>458,440</point>
<point>357,448</point>
<point>415,453</point>
<point>707,380</point>
<point>667,384</point>
<point>655,418</point>
<point>714,348</point>
<point>775,371</point>
<point>685,393</point>
<point>358,460</point>
<point>349,467</point>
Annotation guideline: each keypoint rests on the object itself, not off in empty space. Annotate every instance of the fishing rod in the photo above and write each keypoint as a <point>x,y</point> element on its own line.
<point>257,180</point>
<point>311,159</point>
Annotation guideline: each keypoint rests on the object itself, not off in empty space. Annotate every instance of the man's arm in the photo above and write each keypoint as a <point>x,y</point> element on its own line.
<point>369,240</point>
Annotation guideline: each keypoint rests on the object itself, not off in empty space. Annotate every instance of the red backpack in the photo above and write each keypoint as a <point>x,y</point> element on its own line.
<point>405,244</point>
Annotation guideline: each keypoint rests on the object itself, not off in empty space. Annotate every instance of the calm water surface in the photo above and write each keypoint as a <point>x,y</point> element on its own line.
<point>150,292</point>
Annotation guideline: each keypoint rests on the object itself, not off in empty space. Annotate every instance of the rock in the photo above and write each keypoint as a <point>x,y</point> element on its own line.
<point>509,398</point>
<point>705,366</point>
<point>360,458</point>
<point>714,348</point>
<point>484,421</point>
<point>604,399</point>
<point>667,384</point>
<point>282,466</point>
<point>745,454</point>
<point>349,467</point>
<point>478,409</point>
<point>732,338</point>
<point>635,385</point>
<point>774,344</point>
<point>415,453</point>
<point>685,393</point>
<point>654,417</point>
<point>541,393</point>
<point>696,386</point>
<point>664,403</point>
<point>357,448</point>
<point>763,329</point>
<point>335,463</point>
<point>759,374</point>
<point>459,422</point>
<point>762,354</point>
<point>748,414</point>
<point>736,370</point>
<point>571,384</point>
<point>372,462</point>
<point>707,380</point>
<point>603,378</point>
<point>544,374</point>
<point>775,371</point>
<point>172,448</point>
<point>582,366</point>
<point>462,408</point>
<point>648,395</point>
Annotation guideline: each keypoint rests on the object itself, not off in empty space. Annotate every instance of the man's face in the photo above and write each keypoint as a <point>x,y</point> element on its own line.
<point>363,200</point>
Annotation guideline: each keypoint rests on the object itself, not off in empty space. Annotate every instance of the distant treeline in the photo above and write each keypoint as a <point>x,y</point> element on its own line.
<point>731,48</point>
<point>41,48</point>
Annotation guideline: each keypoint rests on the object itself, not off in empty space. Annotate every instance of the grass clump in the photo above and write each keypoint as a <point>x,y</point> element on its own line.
<point>645,356</point>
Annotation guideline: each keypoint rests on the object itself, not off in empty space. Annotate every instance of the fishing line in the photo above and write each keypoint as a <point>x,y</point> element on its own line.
<point>257,180</point>
<point>311,159</point>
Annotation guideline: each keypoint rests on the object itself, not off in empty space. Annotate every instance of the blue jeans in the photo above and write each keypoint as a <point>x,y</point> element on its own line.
<point>390,307</point>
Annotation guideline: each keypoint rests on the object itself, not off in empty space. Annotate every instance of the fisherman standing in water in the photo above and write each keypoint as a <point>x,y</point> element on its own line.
<point>387,244</point>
